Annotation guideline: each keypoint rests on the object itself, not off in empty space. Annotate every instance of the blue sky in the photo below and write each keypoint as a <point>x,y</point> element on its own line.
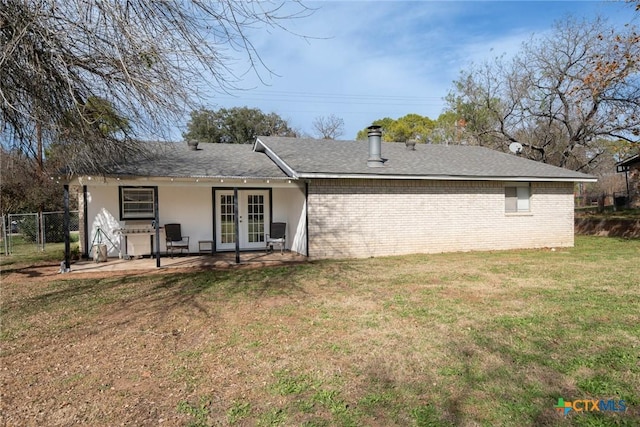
<point>375,59</point>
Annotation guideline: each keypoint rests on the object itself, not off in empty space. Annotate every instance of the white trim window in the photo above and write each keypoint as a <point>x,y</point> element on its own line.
<point>137,202</point>
<point>517,198</point>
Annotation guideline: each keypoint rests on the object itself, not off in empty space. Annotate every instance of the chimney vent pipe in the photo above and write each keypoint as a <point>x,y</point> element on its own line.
<point>375,139</point>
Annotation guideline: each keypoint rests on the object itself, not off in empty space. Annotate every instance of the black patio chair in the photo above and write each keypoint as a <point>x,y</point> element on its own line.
<point>175,240</point>
<point>276,236</point>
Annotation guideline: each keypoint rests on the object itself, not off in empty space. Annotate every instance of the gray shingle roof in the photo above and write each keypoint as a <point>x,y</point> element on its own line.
<point>310,157</point>
<point>307,158</point>
<point>175,160</point>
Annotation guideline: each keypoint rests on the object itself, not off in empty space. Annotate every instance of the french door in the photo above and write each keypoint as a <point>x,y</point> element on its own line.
<point>253,219</point>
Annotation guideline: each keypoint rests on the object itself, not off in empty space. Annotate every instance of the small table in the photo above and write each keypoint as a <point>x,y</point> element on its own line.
<point>205,247</point>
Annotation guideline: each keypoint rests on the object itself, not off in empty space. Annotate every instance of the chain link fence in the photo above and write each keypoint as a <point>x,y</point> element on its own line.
<point>32,232</point>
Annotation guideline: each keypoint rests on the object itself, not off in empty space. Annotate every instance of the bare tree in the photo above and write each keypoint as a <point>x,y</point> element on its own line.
<point>140,63</point>
<point>566,97</point>
<point>331,127</point>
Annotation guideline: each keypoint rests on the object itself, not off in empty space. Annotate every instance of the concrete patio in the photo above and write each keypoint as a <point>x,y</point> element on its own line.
<point>223,260</point>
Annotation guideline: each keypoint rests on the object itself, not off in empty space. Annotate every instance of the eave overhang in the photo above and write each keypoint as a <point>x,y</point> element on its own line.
<point>625,165</point>
<point>93,179</point>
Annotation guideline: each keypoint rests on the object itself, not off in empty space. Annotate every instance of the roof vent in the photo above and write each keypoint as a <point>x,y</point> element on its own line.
<point>410,144</point>
<point>192,144</point>
<point>375,138</point>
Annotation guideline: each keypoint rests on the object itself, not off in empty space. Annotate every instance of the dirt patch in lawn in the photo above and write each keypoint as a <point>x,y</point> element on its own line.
<point>96,352</point>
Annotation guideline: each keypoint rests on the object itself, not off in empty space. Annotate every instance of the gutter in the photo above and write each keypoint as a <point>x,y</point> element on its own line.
<point>445,177</point>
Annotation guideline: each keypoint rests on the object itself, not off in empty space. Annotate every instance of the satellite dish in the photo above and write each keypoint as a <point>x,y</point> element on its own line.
<point>515,147</point>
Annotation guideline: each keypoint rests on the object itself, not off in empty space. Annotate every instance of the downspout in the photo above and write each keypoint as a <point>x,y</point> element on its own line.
<point>270,204</point>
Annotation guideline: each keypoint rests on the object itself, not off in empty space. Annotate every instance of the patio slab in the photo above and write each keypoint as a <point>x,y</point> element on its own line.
<point>218,260</point>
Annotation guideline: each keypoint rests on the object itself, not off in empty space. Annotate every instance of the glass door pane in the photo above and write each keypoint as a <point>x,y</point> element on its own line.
<point>227,219</point>
<point>255,218</point>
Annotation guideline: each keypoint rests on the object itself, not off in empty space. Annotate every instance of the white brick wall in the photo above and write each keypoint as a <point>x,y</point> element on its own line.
<point>362,218</point>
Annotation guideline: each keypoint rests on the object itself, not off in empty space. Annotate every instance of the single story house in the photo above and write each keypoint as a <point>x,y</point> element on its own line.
<point>339,199</point>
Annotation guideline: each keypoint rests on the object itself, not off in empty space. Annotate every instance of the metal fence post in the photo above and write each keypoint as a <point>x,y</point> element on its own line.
<point>43,228</point>
<point>4,235</point>
<point>40,232</point>
<point>10,240</point>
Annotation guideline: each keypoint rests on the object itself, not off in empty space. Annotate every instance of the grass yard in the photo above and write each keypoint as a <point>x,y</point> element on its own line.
<point>25,252</point>
<point>469,339</point>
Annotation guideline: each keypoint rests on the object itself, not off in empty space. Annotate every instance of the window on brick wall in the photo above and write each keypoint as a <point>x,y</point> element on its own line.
<point>517,198</point>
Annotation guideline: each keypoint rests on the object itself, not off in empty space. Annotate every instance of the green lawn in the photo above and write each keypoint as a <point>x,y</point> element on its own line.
<point>25,252</point>
<point>472,339</point>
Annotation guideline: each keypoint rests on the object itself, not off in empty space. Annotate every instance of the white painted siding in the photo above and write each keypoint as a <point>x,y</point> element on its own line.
<point>289,207</point>
<point>189,204</point>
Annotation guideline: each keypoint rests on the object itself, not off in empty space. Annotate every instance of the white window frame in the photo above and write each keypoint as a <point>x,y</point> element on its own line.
<point>149,214</point>
<point>522,198</point>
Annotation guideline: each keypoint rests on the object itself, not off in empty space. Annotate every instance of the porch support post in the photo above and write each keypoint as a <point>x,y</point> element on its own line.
<point>157,226</point>
<point>85,223</point>
<point>237,223</point>
<point>65,222</point>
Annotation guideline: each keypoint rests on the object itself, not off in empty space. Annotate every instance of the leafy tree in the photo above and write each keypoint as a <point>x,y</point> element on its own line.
<point>238,125</point>
<point>143,58</point>
<point>331,127</point>
<point>565,97</point>
<point>384,123</point>
<point>411,126</point>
